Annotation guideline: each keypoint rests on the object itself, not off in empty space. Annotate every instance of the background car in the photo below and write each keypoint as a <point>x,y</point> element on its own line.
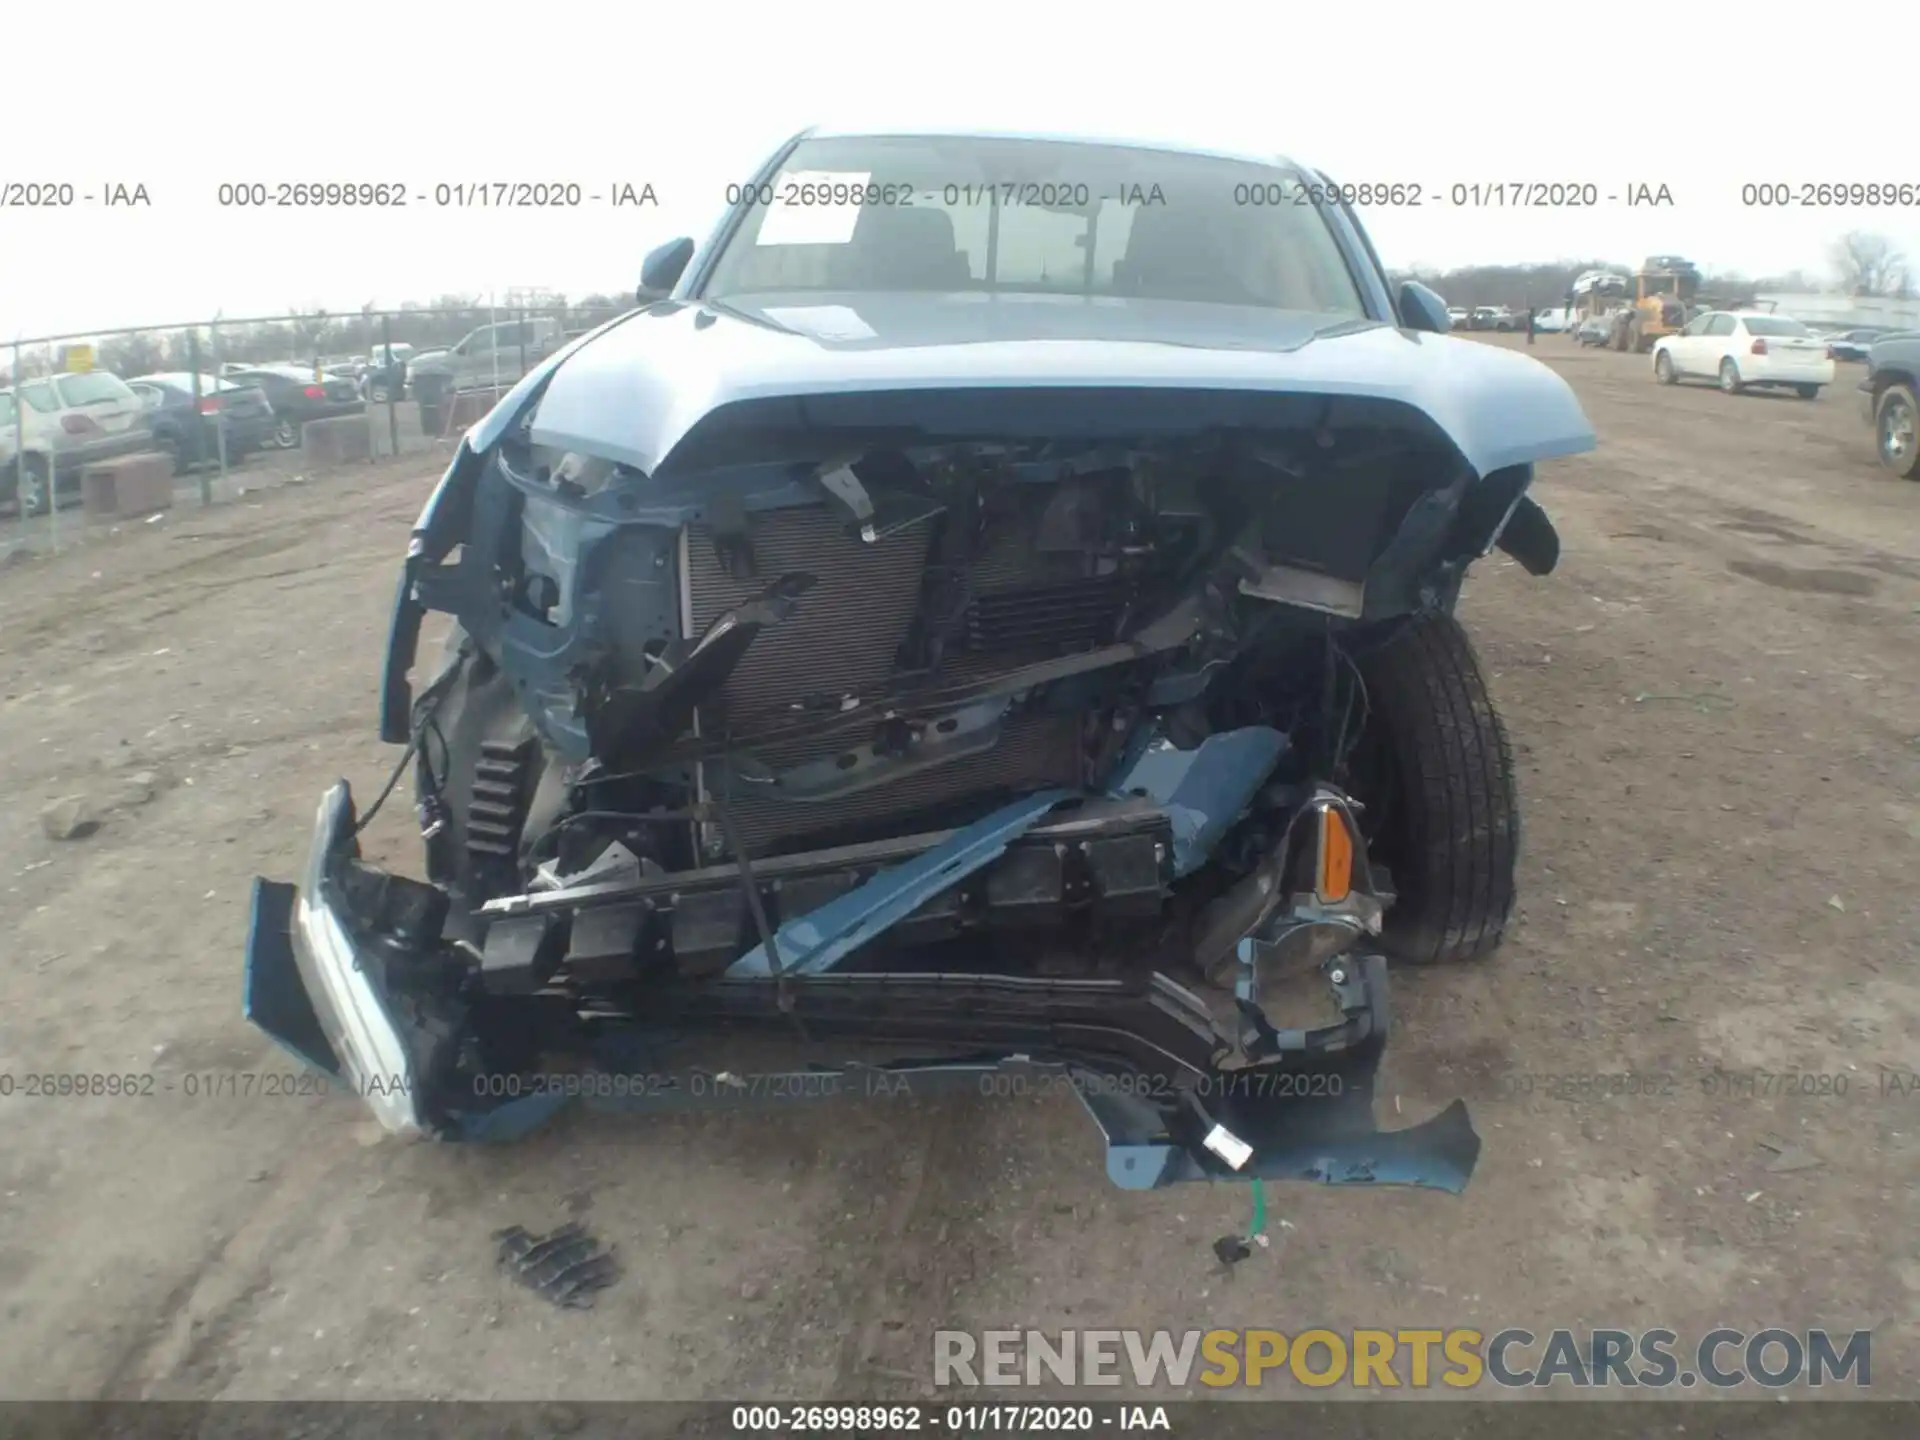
<point>1552,321</point>
<point>385,376</point>
<point>492,356</point>
<point>1458,315</point>
<point>296,398</point>
<point>1743,349</point>
<point>1853,344</point>
<point>67,422</point>
<point>189,430</point>
<point>1594,330</point>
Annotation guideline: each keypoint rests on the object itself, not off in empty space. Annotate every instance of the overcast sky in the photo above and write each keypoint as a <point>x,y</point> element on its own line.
<point>600,94</point>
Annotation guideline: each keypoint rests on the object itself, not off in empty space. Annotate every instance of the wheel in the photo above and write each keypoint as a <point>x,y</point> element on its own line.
<point>1730,377</point>
<point>1435,772</point>
<point>286,435</point>
<point>1636,341</point>
<point>1618,338</point>
<point>1808,392</point>
<point>1896,418</point>
<point>169,446</point>
<point>1663,370</point>
<point>34,491</point>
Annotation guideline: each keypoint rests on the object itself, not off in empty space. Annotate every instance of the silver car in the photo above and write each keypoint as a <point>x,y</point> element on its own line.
<point>63,424</point>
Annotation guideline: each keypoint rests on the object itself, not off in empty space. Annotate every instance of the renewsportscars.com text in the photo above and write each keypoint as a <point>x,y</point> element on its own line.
<point>1458,1359</point>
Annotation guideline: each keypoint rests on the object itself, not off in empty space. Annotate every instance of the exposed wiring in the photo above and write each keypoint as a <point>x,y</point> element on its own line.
<point>413,744</point>
<point>424,722</point>
<point>1349,733</point>
<point>629,817</point>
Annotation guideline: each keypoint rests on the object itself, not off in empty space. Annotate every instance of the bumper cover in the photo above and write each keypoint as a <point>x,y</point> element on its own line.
<point>1148,1063</point>
<point>310,982</point>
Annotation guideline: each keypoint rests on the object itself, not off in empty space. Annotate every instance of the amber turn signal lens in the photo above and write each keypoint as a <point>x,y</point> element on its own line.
<point>1336,857</point>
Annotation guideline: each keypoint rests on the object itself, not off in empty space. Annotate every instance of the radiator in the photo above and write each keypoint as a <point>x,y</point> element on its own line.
<point>843,639</point>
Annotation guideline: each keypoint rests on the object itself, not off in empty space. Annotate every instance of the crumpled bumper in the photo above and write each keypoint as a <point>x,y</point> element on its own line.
<point>310,984</point>
<point>1145,1065</point>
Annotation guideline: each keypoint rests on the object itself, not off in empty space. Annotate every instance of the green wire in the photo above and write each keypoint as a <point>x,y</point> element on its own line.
<point>1259,1208</point>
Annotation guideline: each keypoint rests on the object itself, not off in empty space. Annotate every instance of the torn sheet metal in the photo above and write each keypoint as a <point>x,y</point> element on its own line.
<point>820,939</point>
<point>1309,1117</point>
<point>1204,790</point>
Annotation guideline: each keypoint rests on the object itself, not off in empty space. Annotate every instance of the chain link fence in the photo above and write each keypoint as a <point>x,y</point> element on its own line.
<point>114,424</point>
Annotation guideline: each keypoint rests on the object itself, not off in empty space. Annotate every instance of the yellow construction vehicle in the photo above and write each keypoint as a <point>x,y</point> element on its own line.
<point>1663,289</point>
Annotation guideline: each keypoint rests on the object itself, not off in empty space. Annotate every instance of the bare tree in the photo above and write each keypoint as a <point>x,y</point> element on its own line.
<point>1869,264</point>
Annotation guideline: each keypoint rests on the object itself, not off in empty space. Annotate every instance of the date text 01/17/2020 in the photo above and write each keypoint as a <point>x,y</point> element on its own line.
<point>190,1085</point>
<point>443,194</point>
<point>1460,195</point>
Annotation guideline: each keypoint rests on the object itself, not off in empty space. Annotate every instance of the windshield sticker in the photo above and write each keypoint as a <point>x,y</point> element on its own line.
<point>822,322</point>
<point>813,207</point>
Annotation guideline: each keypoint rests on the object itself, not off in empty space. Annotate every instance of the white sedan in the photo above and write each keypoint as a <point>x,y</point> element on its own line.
<point>1743,350</point>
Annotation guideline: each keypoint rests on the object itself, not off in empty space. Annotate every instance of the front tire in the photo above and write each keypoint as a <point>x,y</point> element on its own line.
<point>286,435</point>
<point>1808,392</point>
<point>1663,370</point>
<point>1441,794</point>
<point>1896,431</point>
<point>1730,378</point>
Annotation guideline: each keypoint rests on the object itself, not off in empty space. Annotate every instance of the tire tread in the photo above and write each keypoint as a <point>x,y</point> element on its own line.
<point>1456,764</point>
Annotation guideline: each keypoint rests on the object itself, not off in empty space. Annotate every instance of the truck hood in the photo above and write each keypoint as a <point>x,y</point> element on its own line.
<point>632,391</point>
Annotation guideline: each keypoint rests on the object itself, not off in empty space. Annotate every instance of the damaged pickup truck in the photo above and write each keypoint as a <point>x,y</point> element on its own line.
<point>986,614</point>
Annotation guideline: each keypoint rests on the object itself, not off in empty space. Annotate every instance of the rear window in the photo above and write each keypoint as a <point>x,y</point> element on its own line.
<point>92,388</point>
<point>1774,325</point>
<point>39,396</point>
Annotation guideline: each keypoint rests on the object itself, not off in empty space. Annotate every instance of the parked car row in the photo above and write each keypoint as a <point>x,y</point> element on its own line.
<point>51,429</point>
<point>225,414</point>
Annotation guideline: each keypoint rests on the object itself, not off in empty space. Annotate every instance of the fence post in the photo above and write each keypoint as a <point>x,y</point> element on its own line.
<point>19,428</point>
<point>193,372</point>
<point>219,414</point>
<point>393,390</point>
<point>53,473</point>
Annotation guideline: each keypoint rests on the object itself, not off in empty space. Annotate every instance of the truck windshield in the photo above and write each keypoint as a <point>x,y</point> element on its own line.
<point>931,214</point>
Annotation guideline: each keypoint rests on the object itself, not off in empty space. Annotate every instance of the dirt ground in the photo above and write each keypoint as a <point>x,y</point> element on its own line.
<point>1716,704</point>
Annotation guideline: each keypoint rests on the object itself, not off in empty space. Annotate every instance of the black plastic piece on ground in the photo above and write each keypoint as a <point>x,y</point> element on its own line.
<point>566,1267</point>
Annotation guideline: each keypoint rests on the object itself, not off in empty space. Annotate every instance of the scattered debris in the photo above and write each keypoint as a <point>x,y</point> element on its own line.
<point>1834,902</point>
<point>1789,1158</point>
<point>1231,1250</point>
<point>69,818</point>
<point>139,788</point>
<point>566,1266</point>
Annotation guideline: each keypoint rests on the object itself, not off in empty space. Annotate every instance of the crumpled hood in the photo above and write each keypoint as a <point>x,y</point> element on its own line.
<point>635,389</point>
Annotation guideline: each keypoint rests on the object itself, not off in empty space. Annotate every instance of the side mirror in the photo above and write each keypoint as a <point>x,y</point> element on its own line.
<point>662,269</point>
<point>1423,309</point>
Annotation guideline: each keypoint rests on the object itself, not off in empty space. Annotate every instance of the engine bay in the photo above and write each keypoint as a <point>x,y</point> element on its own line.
<point>830,666</point>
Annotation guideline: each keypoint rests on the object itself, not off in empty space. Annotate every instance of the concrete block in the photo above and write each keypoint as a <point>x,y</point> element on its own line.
<point>130,485</point>
<point>336,441</point>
